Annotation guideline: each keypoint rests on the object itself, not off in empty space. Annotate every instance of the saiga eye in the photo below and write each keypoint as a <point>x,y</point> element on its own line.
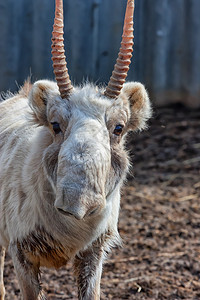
<point>56,127</point>
<point>118,129</point>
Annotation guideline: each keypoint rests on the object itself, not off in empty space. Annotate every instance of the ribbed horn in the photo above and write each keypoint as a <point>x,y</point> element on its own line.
<point>58,53</point>
<point>124,57</point>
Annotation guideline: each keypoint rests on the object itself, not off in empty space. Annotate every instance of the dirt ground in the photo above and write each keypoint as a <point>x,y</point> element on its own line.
<point>159,220</point>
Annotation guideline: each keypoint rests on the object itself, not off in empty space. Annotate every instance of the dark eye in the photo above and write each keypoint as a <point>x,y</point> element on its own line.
<point>56,127</point>
<point>118,129</point>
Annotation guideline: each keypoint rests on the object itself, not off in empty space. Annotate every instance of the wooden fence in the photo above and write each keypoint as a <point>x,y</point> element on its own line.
<point>166,54</point>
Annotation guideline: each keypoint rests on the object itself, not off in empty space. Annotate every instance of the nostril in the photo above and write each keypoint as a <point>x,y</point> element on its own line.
<point>92,211</point>
<point>79,215</point>
<point>66,213</point>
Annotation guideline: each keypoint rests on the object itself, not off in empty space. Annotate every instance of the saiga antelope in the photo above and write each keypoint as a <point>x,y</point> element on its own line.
<point>63,162</point>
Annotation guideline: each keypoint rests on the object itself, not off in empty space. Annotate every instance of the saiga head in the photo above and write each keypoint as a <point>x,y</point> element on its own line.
<point>86,161</point>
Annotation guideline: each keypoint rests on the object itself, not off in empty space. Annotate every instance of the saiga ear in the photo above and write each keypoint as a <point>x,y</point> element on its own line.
<point>140,106</point>
<point>38,98</point>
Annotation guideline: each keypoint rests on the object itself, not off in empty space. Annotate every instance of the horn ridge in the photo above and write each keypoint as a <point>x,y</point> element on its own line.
<point>58,53</point>
<point>121,67</point>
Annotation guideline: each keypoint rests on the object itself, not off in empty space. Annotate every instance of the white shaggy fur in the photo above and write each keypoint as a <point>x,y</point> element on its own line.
<point>60,193</point>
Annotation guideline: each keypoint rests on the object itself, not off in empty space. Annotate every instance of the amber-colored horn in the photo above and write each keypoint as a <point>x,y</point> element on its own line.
<point>58,53</point>
<point>124,57</point>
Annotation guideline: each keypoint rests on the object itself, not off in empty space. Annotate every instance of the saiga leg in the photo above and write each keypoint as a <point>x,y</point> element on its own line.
<point>88,269</point>
<point>2,257</point>
<point>27,274</point>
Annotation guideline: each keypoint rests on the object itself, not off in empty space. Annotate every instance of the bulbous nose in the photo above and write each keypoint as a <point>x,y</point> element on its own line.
<point>79,214</point>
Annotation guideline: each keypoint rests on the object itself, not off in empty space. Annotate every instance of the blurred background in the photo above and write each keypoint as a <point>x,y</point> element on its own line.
<point>166,52</point>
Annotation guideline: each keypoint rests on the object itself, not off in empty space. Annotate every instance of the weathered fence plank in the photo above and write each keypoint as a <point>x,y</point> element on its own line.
<point>166,53</point>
